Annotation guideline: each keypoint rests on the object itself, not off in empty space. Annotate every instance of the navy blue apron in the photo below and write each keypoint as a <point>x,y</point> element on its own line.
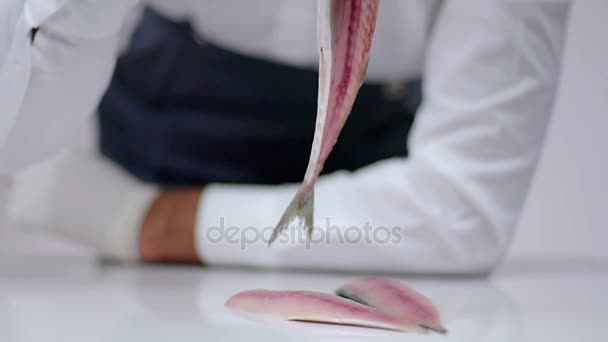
<point>181,111</point>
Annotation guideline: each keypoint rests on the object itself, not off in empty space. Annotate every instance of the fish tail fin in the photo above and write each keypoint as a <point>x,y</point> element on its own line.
<point>300,209</point>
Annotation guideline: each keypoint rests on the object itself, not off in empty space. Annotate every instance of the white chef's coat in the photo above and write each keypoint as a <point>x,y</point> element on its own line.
<point>490,70</point>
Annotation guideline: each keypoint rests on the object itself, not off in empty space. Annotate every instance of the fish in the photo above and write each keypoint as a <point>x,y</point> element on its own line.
<point>318,307</point>
<point>345,30</point>
<point>396,299</point>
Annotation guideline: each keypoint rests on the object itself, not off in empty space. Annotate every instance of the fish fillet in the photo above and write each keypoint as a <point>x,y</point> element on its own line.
<point>318,307</point>
<point>396,299</point>
<point>345,30</point>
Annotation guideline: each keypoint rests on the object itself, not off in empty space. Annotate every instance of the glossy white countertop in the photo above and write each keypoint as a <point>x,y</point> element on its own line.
<point>49,294</point>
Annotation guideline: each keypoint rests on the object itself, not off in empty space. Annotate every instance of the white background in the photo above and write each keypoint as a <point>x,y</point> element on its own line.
<point>566,214</point>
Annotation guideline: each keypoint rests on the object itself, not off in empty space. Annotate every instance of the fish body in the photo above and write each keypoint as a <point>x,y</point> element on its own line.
<point>310,306</point>
<point>396,299</point>
<point>345,30</point>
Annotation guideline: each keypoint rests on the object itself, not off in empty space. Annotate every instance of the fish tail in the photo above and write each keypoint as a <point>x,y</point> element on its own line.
<point>300,210</point>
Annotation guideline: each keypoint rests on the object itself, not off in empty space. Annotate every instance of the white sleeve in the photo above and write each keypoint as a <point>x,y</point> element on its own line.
<point>81,196</point>
<point>50,82</point>
<point>491,74</point>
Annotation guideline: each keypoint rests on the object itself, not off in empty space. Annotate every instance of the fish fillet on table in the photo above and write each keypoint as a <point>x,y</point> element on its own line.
<point>394,298</point>
<point>345,30</point>
<point>367,302</point>
<point>310,306</point>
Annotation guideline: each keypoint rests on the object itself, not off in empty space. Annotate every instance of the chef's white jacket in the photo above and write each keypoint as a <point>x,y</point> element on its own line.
<point>490,71</point>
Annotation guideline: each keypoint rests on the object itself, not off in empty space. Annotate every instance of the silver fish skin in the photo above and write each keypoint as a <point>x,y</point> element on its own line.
<point>345,30</point>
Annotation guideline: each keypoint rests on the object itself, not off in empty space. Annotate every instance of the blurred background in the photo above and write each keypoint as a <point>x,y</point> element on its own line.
<point>565,214</point>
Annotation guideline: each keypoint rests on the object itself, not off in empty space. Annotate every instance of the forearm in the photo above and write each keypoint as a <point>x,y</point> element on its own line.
<point>395,216</point>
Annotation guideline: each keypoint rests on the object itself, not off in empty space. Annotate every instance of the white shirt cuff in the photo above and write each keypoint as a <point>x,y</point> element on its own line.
<point>234,223</point>
<point>81,196</point>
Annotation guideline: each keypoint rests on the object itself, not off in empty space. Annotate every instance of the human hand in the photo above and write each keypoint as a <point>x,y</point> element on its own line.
<point>167,233</point>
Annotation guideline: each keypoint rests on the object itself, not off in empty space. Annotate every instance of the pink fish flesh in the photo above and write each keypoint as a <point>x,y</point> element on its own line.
<point>345,30</point>
<point>396,299</point>
<point>317,307</point>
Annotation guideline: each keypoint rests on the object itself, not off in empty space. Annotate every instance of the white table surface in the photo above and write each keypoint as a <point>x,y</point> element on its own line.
<point>49,294</point>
